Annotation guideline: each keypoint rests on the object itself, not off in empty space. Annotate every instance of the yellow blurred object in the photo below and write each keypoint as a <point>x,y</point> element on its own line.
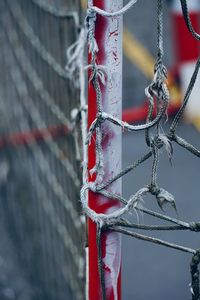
<point>196,123</point>
<point>84,4</point>
<point>138,55</point>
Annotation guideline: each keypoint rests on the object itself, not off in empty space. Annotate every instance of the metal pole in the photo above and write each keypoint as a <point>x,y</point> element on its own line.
<point>109,39</point>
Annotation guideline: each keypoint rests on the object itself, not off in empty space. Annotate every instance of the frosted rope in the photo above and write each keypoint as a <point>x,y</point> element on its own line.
<point>113,14</point>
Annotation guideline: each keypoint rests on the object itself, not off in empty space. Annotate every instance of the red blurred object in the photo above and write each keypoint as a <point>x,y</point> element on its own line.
<point>137,114</point>
<point>27,137</point>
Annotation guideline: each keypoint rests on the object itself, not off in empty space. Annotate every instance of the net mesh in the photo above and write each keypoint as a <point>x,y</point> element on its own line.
<point>38,143</point>
<point>158,99</point>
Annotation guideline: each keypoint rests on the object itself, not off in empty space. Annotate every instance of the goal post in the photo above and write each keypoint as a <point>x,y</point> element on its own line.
<point>108,34</point>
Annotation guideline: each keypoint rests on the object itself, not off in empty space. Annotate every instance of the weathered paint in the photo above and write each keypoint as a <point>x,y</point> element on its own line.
<point>109,38</point>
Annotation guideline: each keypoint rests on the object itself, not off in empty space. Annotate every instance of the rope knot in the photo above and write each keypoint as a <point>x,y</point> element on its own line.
<point>171,134</point>
<point>160,74</point>
<point>97,72</point>
<point>162,196</point>
<point>154,190</point>
<point>91,16</point>
<point>155,142</point>
<point>195,226</point>
<point>101,117</point>
<point>91,13</point>
<point>90,25</point>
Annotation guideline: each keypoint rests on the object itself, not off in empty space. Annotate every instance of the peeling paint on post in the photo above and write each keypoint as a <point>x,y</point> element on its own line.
<point>109,39</point>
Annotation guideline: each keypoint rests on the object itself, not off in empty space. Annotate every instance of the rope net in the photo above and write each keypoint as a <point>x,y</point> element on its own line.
<point>40,132</point>
<point>158,100</point>
<point>38,142</point>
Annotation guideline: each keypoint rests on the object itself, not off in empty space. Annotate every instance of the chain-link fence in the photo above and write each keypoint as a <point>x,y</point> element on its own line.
<point>40,169</point>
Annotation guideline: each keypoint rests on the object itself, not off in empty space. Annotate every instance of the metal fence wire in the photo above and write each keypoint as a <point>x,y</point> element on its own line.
<point>40,175</point>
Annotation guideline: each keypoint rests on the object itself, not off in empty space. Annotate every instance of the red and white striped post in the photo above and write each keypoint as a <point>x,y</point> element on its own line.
<point>187,50</point>
<point>108,35</point>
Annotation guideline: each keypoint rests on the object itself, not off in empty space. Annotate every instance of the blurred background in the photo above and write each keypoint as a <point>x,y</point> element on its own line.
<point>42,234</point>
